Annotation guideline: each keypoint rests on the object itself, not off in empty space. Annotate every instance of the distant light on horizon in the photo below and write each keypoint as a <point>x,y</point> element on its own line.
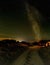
<point>20,39</point>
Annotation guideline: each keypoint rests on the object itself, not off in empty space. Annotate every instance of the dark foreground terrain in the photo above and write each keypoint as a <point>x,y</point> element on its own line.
<point>45,55</point>
<point>10,51</point>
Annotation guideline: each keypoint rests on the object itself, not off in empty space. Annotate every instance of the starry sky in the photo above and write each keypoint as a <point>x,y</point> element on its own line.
<point>14,22</point>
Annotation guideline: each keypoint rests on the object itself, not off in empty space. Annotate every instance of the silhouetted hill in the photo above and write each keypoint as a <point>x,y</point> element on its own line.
<point>12,49</point>
<point>14,43</point>
<point>9,51</point>
<point>44,42</point>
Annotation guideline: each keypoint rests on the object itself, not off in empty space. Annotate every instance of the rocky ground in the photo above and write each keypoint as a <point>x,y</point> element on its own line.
<point>45,55</point>
<point>8,55</point>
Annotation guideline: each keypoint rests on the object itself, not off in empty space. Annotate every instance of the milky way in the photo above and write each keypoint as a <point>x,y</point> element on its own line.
<point>33,17</point>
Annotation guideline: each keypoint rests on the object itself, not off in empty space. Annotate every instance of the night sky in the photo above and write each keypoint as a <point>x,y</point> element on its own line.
<point>14,22</point>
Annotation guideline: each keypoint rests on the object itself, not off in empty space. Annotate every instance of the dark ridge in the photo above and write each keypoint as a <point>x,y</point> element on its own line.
<point>12,49</point>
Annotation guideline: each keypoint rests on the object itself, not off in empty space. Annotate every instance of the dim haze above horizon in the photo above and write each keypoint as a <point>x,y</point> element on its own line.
<point>24,20</point>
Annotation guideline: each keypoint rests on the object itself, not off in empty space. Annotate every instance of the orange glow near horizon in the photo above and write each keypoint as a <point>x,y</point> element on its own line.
<point>17,39</point>
<point>5,38</point>
<point>48,43</point>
